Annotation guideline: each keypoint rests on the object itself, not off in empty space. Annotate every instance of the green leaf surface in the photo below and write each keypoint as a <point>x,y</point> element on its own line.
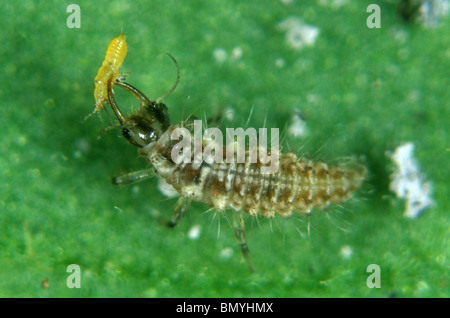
<point>363,92</point>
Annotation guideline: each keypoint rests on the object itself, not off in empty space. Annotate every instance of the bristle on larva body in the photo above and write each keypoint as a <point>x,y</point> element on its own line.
<point>109,71</point>
<point>298,185</point>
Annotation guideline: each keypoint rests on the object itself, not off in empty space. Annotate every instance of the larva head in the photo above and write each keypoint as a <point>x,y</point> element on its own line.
<point>150,121</point>
<point>146,124</point>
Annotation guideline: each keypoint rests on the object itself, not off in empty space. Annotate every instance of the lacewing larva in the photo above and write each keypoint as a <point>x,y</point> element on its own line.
<point>108,73</point>
<point>298,185</point>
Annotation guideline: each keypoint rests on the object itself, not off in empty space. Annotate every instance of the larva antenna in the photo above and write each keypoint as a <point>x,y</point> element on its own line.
<point>174,85</point>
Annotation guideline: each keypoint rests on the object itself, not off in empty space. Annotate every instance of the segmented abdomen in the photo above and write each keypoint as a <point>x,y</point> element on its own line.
<point>297,185</point>
<point>109,71</point>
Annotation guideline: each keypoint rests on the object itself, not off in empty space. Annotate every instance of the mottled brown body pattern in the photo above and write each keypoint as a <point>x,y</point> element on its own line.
<point>299,185</point>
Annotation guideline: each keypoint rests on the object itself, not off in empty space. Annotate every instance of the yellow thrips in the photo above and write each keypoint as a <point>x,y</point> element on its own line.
<point>109,71</point>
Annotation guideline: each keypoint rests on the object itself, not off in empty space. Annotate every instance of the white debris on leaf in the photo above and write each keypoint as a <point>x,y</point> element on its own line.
<point>226,253</point>
<point>135,189</point>
<point>166,188</point>
<point>407,182</point>
<point>237,53</point>
<point>298,34</point>
<point>297,128</point>
<point>220,54</point>
<point>82,147</point>
<point>430,11</point>
<point>194,232</point>
<point>335,4</point>
<point>346,252</point>
<point>280,62</point>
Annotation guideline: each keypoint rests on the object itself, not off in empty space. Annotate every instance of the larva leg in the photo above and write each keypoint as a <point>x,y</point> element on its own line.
<point>180,209</point>
<point>106,129</point>
<point>133,177</point>
<point>239,232</point>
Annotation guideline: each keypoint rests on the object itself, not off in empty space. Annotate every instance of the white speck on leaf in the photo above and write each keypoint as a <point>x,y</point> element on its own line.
<point>226,253</point>
<point>220,54</point>
<point>297,128</point>
<point>298,34</point>
<point>280,62</point>
<point>346,251</point>
<point>430,11</point>
<point>408,182</point>
<point>237,53</point>
<point>194,232</point>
